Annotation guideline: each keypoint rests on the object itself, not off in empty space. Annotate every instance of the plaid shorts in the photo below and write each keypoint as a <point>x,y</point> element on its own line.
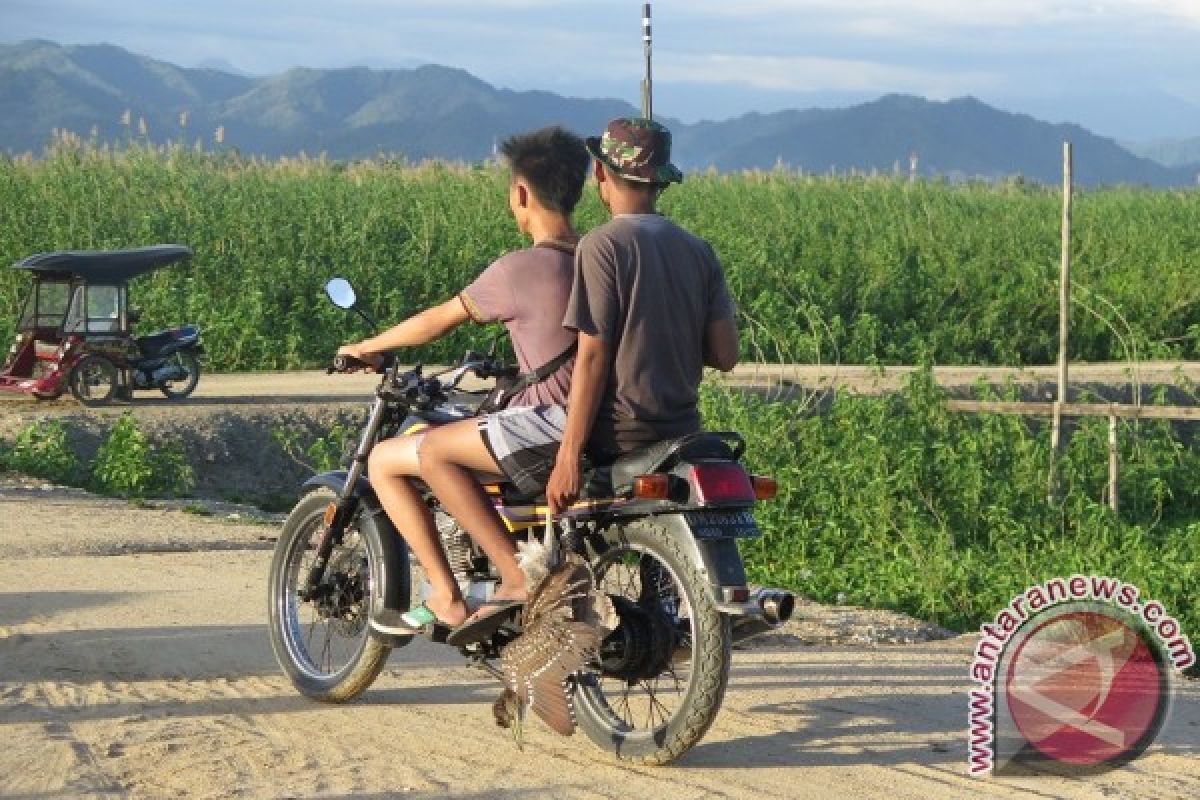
<point>524,441</point>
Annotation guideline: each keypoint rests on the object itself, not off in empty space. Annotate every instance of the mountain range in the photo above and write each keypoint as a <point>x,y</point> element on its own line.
<point>440,112</point>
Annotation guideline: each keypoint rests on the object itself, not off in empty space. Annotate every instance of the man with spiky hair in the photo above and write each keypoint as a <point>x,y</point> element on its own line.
<point>651,308</point>
<point>527,290</point>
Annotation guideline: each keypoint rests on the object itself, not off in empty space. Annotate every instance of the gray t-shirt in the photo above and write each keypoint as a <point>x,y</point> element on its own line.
<point>527,290</point>
<point>649,289</point>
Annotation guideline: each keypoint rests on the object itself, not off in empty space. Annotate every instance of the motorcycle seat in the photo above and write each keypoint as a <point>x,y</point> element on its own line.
<point>666,454</point>
<point>617,477</point>
<point>159,341</point>
<point>155,341</point>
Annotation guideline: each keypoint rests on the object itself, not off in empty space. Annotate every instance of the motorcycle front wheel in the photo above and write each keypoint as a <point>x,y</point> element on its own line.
<point>187,361</point>
<point>663,672</point>
<point>323,643</point>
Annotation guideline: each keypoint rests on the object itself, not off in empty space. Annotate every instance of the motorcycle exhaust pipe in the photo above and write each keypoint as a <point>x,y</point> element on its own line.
<point>777,606</point>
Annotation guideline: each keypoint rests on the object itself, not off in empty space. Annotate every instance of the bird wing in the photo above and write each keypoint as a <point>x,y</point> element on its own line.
<point>554,643</point>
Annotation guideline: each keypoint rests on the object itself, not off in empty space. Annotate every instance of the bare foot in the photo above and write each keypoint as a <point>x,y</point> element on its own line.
<point>450,612</point>
<point>507,592</point>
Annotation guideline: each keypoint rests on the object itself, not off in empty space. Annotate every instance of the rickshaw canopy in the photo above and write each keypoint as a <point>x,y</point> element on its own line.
<point>106,266</point>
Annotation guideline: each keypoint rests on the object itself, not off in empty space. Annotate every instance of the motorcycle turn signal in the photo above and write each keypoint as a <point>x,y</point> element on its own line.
<point>764,488</point>
<point>652,487</point>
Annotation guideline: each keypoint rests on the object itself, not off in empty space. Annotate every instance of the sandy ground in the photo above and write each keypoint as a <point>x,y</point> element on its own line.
<point>134,662</point>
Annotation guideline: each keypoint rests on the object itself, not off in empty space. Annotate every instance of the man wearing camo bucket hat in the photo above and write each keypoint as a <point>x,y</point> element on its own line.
<point>651,308</point>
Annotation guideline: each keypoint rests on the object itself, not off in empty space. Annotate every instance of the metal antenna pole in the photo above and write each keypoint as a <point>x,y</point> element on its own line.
<point>647,82</point>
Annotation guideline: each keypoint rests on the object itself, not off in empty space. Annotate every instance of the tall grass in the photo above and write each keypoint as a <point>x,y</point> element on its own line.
<point>860,270</point>
<point>897,502</point>
<point>885,501</point>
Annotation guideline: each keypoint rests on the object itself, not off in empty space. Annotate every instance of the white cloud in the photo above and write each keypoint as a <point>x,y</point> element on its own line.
<point>1183,10</point>
<point>807,74</point>
<point>903,17</point>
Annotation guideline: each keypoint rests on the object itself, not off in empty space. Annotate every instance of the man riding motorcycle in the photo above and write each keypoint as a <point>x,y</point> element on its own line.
<point>527,290</point>
<point>651,308</point>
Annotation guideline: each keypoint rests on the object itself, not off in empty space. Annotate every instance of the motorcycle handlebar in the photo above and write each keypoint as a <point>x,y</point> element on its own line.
<point>344,363</point>
<point>347,363</point>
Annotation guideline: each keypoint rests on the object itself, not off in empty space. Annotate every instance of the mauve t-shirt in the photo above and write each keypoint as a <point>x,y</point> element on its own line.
<point>649,289</point>
<point>527,290</point>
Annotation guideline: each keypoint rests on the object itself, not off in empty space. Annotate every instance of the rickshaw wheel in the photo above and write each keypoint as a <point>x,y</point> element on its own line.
<point>93,380</point>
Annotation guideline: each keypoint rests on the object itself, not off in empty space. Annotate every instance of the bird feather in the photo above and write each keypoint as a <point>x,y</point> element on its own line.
<point>563,623</point>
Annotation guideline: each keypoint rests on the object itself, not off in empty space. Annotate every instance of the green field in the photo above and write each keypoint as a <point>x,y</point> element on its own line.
<point>856,270</point>
<point>886,501</point>
<point>897,502</point>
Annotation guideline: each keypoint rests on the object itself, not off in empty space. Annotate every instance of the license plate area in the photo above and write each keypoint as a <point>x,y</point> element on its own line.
<point>722,524</point>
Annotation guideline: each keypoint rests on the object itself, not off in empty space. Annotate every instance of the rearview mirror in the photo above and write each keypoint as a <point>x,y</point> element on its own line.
<point>341,293</point>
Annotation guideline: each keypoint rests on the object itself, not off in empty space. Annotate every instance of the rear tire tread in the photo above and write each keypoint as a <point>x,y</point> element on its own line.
<point>711,671</point>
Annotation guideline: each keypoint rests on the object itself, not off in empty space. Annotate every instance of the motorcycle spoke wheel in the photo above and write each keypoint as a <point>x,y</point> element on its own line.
<point>322,642</point>
<point>660,677</point>
<point>327,634</point>
<point>638,700</point>
<point>186,361</point>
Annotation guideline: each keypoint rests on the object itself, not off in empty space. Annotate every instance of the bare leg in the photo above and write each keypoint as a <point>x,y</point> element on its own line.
<point>389,465</point>
<point>451,457</point>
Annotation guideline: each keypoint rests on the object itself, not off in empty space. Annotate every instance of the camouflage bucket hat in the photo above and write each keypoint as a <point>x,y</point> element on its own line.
<point>636,149</point>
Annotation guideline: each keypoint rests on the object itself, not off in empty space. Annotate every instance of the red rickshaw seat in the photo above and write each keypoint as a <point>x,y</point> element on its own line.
<point>46,351</point>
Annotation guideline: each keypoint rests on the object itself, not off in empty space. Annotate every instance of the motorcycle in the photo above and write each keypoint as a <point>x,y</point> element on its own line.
<point>659,529</point>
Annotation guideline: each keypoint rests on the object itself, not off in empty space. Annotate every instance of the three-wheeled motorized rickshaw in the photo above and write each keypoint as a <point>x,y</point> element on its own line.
<point>74,331</point>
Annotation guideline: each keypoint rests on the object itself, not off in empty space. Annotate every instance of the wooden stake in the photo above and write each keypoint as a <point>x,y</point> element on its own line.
<point>1113,463</point>
<point>1064,318</point>
<point>648,81</point>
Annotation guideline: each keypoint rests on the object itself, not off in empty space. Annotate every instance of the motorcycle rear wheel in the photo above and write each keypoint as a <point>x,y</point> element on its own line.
<point>187,360</point>
<point>324,646</point>
<point>633,714</point>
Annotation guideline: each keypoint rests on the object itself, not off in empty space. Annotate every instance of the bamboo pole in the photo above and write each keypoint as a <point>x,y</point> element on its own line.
<point>1064,321</point>
<point>648,80</point>
<point>1113,463</point>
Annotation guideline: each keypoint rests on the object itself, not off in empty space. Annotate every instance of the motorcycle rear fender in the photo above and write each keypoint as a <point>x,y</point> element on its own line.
<point>717,557</point>
<point>383,541</point>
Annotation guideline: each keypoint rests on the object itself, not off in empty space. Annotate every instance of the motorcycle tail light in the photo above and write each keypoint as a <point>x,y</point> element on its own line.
<point>764,488</point>
<point>722,482</point>
<point>652,487</point>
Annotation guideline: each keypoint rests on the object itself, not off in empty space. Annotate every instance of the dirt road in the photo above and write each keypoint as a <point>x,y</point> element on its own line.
<point>134,662</point>
<point>224,392</point>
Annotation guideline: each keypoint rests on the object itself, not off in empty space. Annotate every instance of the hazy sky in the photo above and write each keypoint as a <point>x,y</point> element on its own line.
<point>1070,58</point>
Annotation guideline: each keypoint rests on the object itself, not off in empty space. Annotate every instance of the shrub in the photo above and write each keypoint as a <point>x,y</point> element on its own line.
<point>897,502</point>
<point>41,450</point>
<point>321,453</point>
<point>128,465</point>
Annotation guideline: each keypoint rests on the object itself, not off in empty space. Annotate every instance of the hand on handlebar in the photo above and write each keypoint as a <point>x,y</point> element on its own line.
<point>372,362</point>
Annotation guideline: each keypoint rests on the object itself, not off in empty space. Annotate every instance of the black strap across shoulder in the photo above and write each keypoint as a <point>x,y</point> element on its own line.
<point>526,379</point>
